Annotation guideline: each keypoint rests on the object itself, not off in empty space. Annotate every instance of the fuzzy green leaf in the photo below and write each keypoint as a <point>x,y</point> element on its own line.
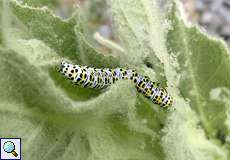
<point>193,65</point>
<point>40,3</point>
<point>64,36</point>
<point>205,64</point>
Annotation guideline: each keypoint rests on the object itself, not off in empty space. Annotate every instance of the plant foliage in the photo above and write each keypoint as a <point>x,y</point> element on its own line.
<point>57,120</point>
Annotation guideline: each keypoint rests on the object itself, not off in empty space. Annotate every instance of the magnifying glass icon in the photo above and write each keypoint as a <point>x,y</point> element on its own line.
<point>9,147</point>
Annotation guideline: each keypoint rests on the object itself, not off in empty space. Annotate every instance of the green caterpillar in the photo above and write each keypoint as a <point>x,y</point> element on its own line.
<point>100,78</point>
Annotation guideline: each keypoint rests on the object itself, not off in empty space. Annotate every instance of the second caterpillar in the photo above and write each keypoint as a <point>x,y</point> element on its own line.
<point>101,78</point>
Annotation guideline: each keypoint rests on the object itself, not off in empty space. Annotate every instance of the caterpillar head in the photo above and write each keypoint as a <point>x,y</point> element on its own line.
<point>68,70</point>
<point>166,100</point>
<point>162,98</point>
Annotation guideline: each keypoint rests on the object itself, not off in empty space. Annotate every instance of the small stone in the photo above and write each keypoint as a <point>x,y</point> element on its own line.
<point>216,6</point>
<point>200,6</point>
<point>206,17</point>
<point>226,3</point>
<point>225,13</point>
<point>106,31</point>
<point>225,32</point>
<point>207,1</point>
<point>212,22</point>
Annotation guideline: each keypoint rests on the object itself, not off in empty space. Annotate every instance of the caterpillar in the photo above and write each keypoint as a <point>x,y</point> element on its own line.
<point>86,76</point>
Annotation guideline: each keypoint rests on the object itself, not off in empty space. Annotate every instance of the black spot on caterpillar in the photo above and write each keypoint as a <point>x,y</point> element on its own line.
<point>101,78</point>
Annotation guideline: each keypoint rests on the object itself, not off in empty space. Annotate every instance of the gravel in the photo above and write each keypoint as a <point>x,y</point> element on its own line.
<point>213,15</point>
